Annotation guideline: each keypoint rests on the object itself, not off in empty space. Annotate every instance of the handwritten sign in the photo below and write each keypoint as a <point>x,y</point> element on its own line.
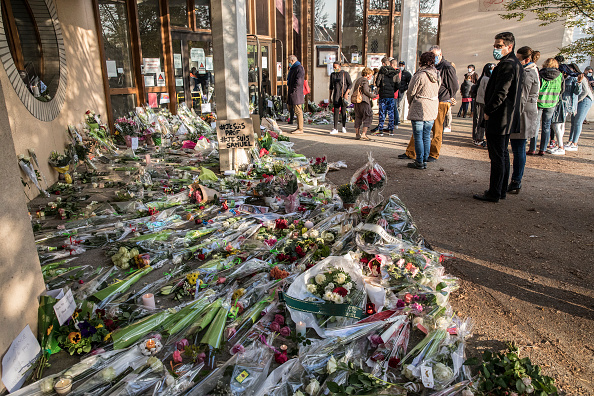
<point>65,307</point>
<point>19,359</point>
<point>234,134</point>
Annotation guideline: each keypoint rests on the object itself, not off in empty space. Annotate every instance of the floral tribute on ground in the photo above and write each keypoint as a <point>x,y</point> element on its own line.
<point>272,281</point>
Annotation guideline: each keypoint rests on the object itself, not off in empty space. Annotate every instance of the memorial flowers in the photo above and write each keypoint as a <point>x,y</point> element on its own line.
<point>332,284</point>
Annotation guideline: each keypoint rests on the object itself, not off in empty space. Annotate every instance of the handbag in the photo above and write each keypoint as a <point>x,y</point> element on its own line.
<point>357,96</point>
<point>306,89</point>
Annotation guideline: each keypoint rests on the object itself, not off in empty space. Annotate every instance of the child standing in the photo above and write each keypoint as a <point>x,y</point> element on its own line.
<point>466,98</point>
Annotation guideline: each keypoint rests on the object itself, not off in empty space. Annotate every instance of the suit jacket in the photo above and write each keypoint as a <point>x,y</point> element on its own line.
<point>503,96</point>
<point>295,85</point>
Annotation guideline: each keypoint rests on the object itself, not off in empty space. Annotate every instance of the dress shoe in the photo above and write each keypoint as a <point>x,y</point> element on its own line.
<point>417,165</point>
<point>431,159</point>
<point>485,197</point>
<point>403,156</point>
<point>514,187</point>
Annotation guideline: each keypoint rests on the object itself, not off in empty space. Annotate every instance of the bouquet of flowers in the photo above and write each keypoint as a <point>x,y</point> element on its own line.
<point>79,336</point>
<point>126,126</point>
<point>319,165</point>
<point>370,179</point>
<point>58,160</point>
<point>348,193</point>
<point>332,284</point>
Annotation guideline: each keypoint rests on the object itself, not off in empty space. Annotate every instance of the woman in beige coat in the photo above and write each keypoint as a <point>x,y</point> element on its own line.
<point>422,98</point>
<point>363,112</point>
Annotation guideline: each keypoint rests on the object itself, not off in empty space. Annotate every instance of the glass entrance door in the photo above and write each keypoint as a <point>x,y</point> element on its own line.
<point>259,75</point>
<point>193,69</point>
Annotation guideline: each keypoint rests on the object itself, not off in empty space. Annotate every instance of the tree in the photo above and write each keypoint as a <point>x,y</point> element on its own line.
<point>572,13</point>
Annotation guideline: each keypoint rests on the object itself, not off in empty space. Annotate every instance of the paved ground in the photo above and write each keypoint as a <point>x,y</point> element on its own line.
<point>525,264</point>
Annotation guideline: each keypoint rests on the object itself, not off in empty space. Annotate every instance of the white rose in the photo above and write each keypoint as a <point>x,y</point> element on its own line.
<point>330,286</point>
<point>331,366</point>
<point>442,373</point>
<point>301,267</point>
<point>340,278</point>
<point>328,236</point>
<point>313,387</point>
<point>312,288</point>
<point>314,234</point>
<point>320,278</point>
<point>47,385</point>
<point>348,286</point>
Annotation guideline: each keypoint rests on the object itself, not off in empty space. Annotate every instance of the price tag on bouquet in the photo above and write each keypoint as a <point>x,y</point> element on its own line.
<point>327,309</point>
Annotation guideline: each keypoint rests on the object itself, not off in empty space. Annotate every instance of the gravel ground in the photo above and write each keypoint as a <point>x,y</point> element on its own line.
<point>525,263</point>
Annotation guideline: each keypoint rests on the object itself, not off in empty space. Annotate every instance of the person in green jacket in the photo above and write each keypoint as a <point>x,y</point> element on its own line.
<point>551,87</point>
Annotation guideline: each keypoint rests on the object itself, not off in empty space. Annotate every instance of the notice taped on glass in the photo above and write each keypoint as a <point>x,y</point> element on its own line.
<point>233,134</point>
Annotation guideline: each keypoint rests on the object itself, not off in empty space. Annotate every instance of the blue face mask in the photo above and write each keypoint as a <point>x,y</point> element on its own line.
<point>589,74</point>
<point>497,53</point>
<point>436,59</point>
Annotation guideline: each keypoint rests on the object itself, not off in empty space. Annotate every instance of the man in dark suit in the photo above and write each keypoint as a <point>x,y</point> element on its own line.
<point>295,81</point>
<point>502,113</point>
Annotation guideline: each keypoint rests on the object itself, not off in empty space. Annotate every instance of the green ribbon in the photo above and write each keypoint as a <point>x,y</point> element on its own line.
<point>327,309</point>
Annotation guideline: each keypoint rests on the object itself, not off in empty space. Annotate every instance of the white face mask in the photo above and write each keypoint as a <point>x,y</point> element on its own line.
<point>470,70</point>
<point>401,67</point>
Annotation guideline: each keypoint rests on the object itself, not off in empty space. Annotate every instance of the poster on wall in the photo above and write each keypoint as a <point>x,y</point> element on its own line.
<point>492,5</point>
<point>330,59</point>
<point>179,82</point>
<point>112,69</point>
<point>356,58</point>
<point>197,55</point>
<point>279,68</point>
<point>177,63</point>
<point>149,81</point>
<point>152,65</point>
<point>374,61</point>
<point>209,64</point>
<point>161,79</point>
<point>264,62</point>
<point>152,99</point>
<point>164,98</point>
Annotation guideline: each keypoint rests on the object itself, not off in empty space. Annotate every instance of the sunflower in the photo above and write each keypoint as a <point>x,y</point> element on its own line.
<point>74,337</point>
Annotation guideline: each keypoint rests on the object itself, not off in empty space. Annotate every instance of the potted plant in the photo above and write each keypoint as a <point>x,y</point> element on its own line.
<point>348,194</point>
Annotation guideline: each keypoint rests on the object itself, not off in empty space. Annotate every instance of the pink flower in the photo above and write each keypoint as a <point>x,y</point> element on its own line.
<point>182,344</point>
<point>177,358</point>
<point>237,348</point>
<point>231,332</point>
<point>417,307</point>
<point>280,319</point>
<point>414,271</point>
<point>408,298</point>
<point>274,327</point>
<point>285,331</point>
<point>400,263</point>
<point>200,357</point>
<point>221,280</point>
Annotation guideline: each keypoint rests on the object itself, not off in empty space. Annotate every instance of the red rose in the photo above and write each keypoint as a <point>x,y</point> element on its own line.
<point>341,291</point>
<point>109,324</point>
<point>299,251</point>
<point>393,362</point>
<point>201,256</point>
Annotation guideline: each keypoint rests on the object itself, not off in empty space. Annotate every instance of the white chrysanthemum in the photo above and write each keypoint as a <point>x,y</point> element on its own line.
<point>442,373</point>
<point>320,278</point>
<point>329,296</point>
<point>311,288</point>
<point>340,278</point>
<point>338,299</point>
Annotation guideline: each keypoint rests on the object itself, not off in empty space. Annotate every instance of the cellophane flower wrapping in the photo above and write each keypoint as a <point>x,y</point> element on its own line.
<point>371,180</point>
<point>299,290</point>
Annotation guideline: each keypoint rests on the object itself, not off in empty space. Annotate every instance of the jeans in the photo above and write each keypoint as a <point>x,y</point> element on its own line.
<point>386,108</point>
<point>519,149</point>
<point>463,109</point>
<point>437,130</point>
<point>499,156</point>
<point>546,116</point>
<point>578,119</point>
<point>422,135</point>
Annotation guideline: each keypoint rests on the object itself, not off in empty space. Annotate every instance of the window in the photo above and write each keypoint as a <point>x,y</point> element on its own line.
<point>378,36</point>
<point>379,4</point>
<point>202,9</point>
<point>297,28</point>
<point>178,11</point>
<point>149,26</point>
<point>396,46</point>
<point>428,28</point>
<point>116,42</point>
<point>429,7</point>
<point>262,18</point>
<point>33,47</point>
<point>281,31</point>
<point>325,13</point>
<point>352,30</point>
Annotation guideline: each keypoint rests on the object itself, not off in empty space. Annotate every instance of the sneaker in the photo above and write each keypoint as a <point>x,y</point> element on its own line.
<point>558,151</point>
<point>396,126</point>
<point>552,144</point>
<point>447,129</point>
<point>334,132</point>
<point>378,133</point>
<point>391,133</point>
<point>343,130</point>
<point>571,147</point>
<point>374,129</point>
<point>551,150</point>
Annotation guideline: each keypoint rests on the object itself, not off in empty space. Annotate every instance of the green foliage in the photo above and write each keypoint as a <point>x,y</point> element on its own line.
<point>358,383</point>
<point>348,193</point>
<point>571,13</point>
<point>501,373</point>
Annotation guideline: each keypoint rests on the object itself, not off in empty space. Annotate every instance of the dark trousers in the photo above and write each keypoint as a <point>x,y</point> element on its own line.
<point>499,156</point>
<point>339,108</point>
<point>463,109</point>
<point>291,114</point>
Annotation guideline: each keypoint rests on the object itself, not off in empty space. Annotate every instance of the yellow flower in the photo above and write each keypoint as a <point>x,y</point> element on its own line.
<point>74,337</point>
<point>49,330</point>
<point>107,337</point>
<point>238,293</point>
<point>99,326</point>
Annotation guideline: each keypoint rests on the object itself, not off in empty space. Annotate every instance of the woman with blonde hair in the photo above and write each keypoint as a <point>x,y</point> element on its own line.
<point>361,97</point>
<point>552,86</point>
